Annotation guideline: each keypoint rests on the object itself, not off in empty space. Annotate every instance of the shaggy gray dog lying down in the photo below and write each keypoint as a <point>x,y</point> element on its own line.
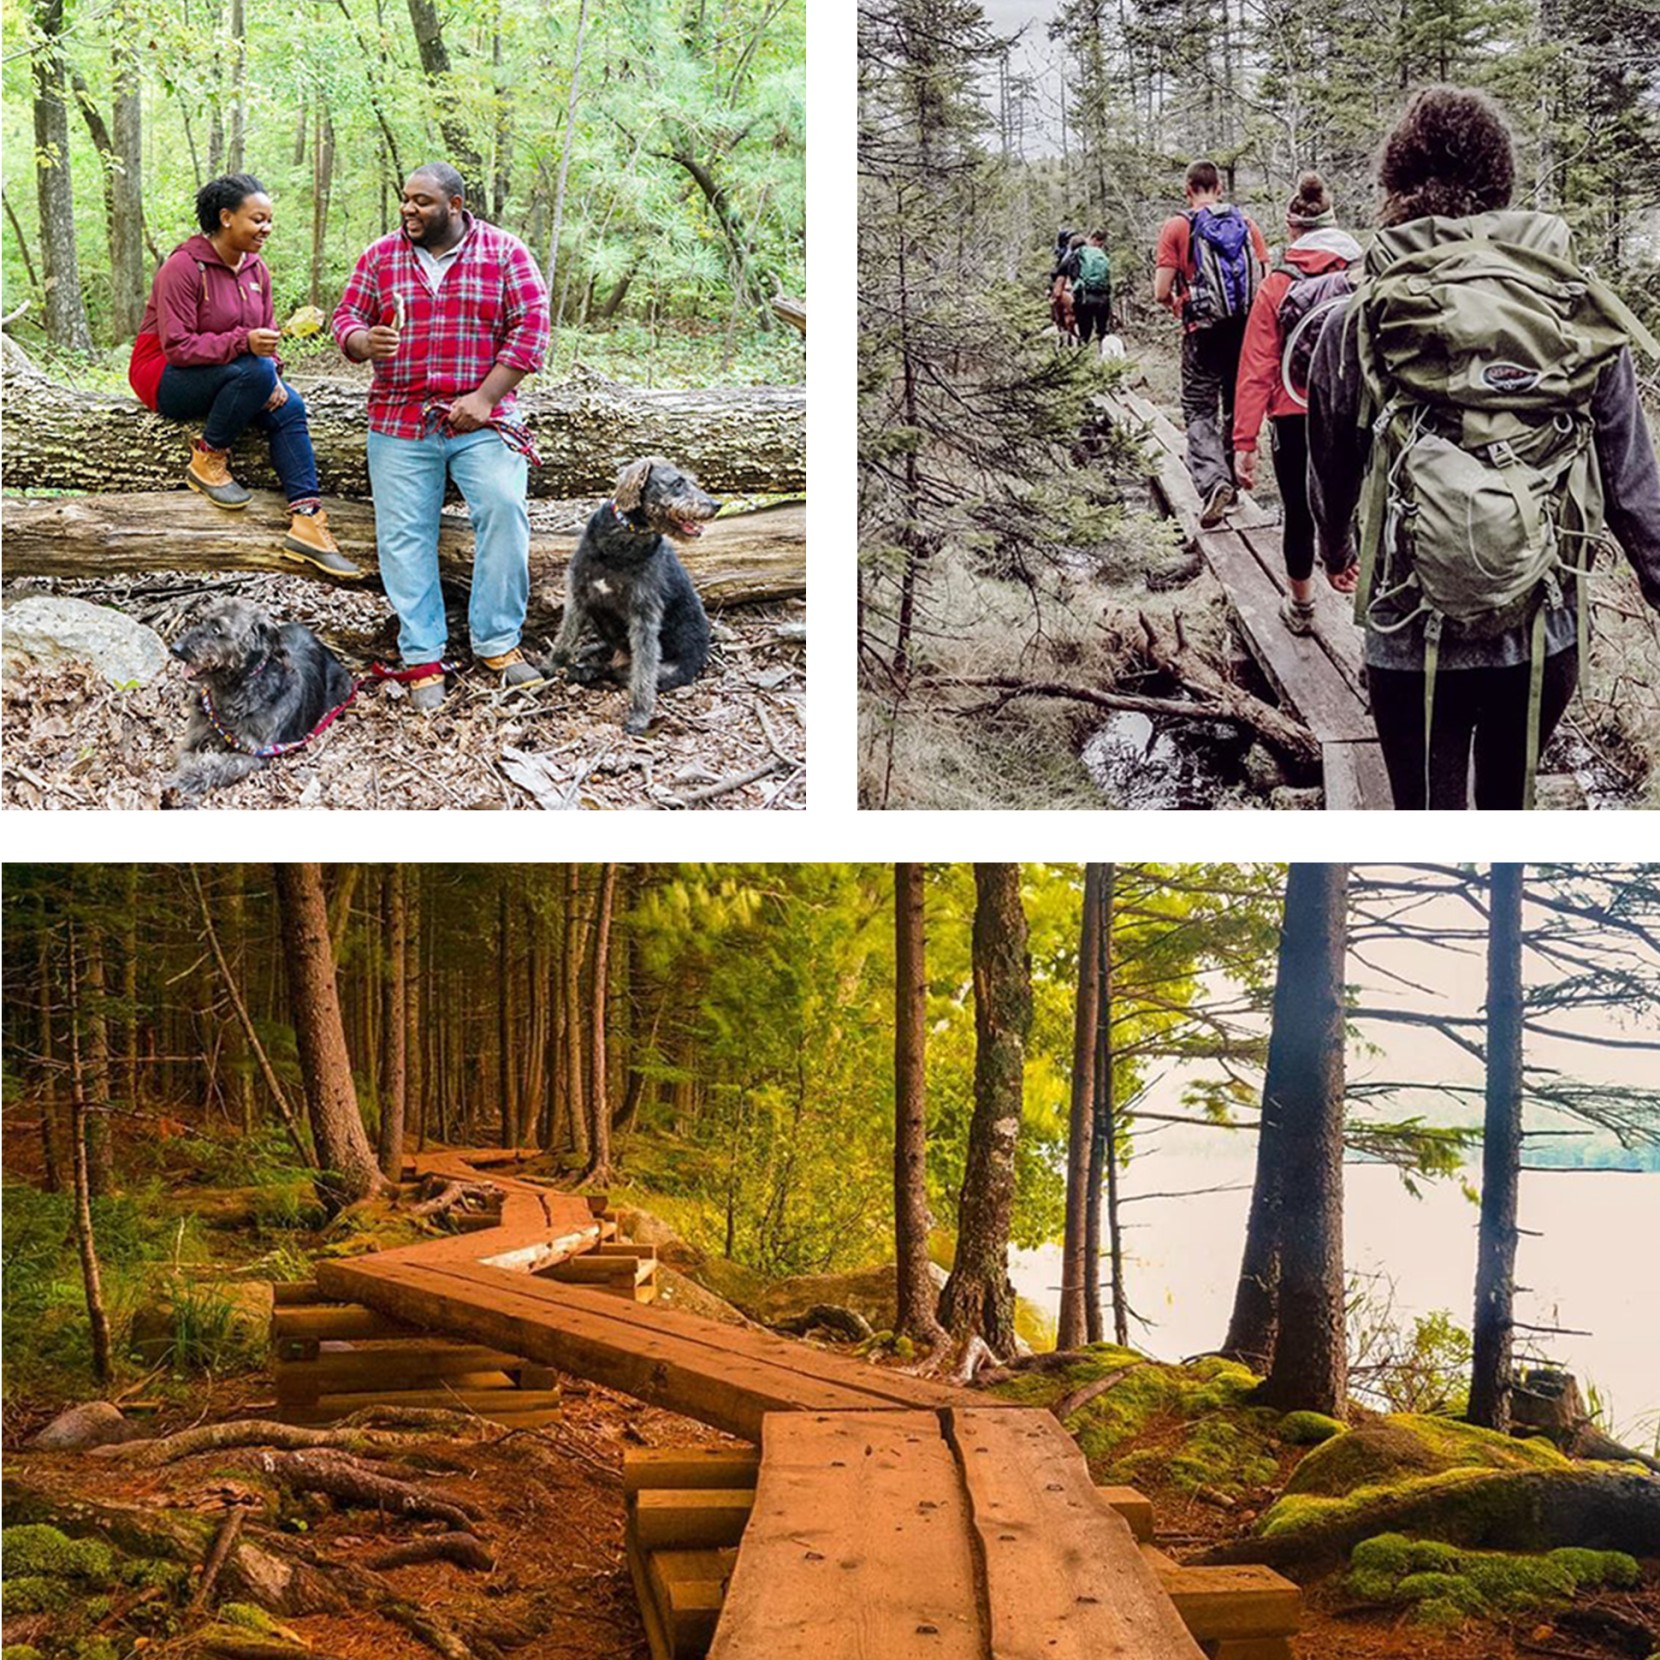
<point>264,685</point>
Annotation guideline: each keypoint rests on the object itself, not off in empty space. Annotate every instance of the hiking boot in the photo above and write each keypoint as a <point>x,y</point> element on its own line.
<point>1221,498</point>
<point>209,473</point>
<point>1297,615</point>
<point>513,668</point>
<point>308,541</point>
<point>427,694</point>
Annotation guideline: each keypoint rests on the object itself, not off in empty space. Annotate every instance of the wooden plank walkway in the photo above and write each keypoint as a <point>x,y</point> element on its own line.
<point>954,1535</point>
<point>481,1287</point>
<point>1317,677</point>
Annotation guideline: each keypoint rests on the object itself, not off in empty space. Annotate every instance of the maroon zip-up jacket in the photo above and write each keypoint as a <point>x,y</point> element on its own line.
<point>199,312</point>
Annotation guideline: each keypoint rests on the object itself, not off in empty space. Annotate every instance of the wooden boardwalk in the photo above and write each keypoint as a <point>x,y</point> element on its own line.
<point>1317,677</point>
<point>884,1516</point>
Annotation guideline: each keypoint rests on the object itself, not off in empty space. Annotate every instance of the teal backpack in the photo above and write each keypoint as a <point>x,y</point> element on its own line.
<point>1481,344</point>
<point>1094,272</point>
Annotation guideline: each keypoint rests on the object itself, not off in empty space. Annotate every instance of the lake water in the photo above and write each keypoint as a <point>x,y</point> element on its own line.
<point>1596,1266</point>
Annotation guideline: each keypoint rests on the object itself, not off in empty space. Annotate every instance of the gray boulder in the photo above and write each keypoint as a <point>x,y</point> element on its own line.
<point>45,628</point>
<point>91,1424</point>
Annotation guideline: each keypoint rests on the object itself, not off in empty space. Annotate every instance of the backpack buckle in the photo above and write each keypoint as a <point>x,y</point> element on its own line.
<point>1501,452</point>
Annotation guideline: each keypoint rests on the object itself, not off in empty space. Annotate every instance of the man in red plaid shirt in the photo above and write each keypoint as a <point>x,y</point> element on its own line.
<point>453,315</point>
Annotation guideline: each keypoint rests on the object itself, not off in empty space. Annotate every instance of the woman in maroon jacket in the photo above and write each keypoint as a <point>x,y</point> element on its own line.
<point>207,350</point>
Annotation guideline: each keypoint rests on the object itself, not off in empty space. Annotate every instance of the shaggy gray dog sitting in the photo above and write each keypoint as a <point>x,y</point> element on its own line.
<point>626,583</point>
<point>263,685</point>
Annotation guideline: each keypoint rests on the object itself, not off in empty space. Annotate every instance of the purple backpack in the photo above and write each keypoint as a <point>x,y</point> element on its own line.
<point>1225,271</point>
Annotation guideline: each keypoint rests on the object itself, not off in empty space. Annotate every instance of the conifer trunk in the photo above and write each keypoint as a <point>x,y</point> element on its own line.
<point>917,1298</point>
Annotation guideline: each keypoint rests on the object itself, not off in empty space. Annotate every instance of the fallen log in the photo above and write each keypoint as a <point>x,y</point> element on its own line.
<point>745,559</point>
<point>737,438</point>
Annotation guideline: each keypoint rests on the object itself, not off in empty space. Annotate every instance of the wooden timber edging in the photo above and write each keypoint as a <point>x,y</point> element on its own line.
<point>1318,677</point>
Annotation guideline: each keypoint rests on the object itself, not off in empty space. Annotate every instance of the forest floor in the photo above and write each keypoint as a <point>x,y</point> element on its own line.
<point>1077,621</point>
<point>549,1500</point>
<point>74,742</point>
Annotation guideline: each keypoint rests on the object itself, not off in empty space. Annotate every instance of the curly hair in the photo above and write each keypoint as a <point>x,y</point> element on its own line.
<point>1450,155</point>
<point>225,194</point>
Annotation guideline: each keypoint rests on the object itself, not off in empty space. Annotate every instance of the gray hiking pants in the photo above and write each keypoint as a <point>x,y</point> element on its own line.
<point>1210,365</point>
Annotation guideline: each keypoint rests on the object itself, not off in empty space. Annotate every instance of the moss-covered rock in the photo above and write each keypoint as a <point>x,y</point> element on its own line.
<point>1308,1429</point>
<point>1191,1426</point>
<point>1440,1581</point>
<point>37,1594</point>
<point>1413,1444</point>
<point>20,1651</point>
<point>248,1617</point>
<point>35,1550</point>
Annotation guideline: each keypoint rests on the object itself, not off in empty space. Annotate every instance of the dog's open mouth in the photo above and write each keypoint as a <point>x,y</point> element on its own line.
<point>688,530</point>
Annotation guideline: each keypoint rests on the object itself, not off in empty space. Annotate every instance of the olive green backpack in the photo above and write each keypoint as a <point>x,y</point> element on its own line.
<point>1481,343</point>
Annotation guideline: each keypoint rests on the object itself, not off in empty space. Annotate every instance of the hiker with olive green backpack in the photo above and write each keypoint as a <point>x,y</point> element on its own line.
<point>1473,417</point>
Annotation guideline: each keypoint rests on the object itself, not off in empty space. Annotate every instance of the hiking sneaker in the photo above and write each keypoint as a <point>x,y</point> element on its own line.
<point>1297,615</point>
<point>209,473</point>
<point>427,694</point>
<point>513,668</point>
<point>1221,498</point>
<point>308,541</point>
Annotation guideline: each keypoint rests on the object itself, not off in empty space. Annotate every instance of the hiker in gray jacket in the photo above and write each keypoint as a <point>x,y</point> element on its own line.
<point>1482,675</point>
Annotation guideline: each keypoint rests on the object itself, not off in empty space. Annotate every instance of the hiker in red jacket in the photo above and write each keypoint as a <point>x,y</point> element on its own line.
<point>207,350</point>
<point>1309,285</point>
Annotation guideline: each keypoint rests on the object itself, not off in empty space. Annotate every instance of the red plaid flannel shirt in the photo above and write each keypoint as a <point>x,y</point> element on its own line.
<point>491,308</point>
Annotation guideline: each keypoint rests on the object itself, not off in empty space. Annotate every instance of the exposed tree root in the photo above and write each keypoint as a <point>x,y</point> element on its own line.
<point>349,1479</point>
<point>251,1432</point>
<point>229,1533</point>
<point>1076,1399</point>
<point>440,1194</point>
<point>466,1550</point>
<point>235,1646</point>
<point>831,1317</point>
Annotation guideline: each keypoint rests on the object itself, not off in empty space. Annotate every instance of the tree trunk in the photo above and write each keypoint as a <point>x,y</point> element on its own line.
<point>576,1105</point>
<point>435,60</point>
<point>1501,1157</point>
<point>1078,1263</point>
<point>978,1300</point>
<point>66,323</point>
<point>93,1034</point>
<point>239,86</point>
<point>79,1132</point>
<point>599,1102</point>
<point>1310,1366</point>
<point>236,1038</point>
<point>917,1297</point>
<point>348,1162</point>
<point>129,276</point>
<point>414,1026</point>
<point>565,151</point>
<point>393,1033</point>
<point>50,1149</point>
<point>506,1082</point>
<point>736,439</point>
<point>322,187</point>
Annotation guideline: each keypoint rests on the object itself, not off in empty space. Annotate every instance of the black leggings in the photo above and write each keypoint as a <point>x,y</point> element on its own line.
<point>1479,710</point>
<point>1291,469</point>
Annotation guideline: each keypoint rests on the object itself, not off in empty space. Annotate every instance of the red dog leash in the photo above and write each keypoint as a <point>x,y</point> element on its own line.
<point>377,671</point>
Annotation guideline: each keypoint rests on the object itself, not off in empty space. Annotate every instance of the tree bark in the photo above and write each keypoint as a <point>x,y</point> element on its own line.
<point>1078,1265</point>
<point>506,1080</point>
<point>51,1164</point>
<point>978,1300</point>
<point>79,1130</point>
<point>1501,1157</point>
<point>918,1299</point>
<point>66,322</point>
<point>394,1038</point>
<point>736,439</point>
<point>91,1016</point>
<point>565,155</point>
<point>1310,1366</point>
<point>348,1162</point>
<point>576,1105</point>
<point>435,60</point>
<point>599,1102</point>
<point>414,1027</point>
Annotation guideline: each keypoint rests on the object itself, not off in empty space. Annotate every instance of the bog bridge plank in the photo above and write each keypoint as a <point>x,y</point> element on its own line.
<point>1318,676</point>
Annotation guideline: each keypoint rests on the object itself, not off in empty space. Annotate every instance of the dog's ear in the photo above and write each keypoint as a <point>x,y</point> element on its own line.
<point>631,484</point>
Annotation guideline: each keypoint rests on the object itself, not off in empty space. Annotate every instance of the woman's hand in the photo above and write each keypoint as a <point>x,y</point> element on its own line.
<point>263,342</point>
<point>277,398</point>
<point>1345,580</point>
<point>1245,468</point>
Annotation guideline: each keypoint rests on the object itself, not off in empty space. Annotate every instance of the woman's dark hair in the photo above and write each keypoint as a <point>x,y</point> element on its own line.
<point>1312,198</point>
<point>1450,154</point>
<point>224,194</point>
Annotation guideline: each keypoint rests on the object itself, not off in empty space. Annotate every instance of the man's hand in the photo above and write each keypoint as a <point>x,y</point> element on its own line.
<point>277,398</point>
<point>1245,468</point>
<point>263,342</point>
<point>380,342</point>
<point>469,413</point>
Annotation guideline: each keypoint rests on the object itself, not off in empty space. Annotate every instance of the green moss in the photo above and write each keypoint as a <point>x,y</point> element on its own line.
<point>36,1594</point>
<point>1441,1587</point>
<point>247,1616</point>
<point>1597,1567</point>
<point>1308,1429</point>
<point>1413,1444</point>
<point>1513,1583</point>
<point>38,1550</point>
<point>20,1651</point>
<point>95,1648</point>
<point>146,1572</point>
<point>1438,1614</point>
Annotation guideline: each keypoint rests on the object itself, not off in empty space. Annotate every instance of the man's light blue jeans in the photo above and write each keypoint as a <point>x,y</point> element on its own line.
<point>406,476</point>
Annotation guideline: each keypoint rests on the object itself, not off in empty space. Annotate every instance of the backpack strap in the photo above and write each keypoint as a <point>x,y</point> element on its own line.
<point>1432,662</point>
<point>1536,702</point>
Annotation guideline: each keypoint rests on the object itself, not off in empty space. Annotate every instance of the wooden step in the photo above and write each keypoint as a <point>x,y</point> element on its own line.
<point>591,1268</point>
<point>1233,1602</point>
<point>689,1467</point>
<point>690,1518</point>
<point>688,1588</point>
<point>1251,1648</point>
<point>295,1293</point>
<point>337,1322</point>
<point>347,1371</point>
<point>1133,1507</point>
<point>500,1403</point>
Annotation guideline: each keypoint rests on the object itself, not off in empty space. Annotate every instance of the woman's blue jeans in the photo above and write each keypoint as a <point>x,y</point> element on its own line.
<point>407,477</point>
<point>233,397</point>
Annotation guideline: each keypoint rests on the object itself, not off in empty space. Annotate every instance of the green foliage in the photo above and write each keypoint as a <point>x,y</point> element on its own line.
<point>211,1332</point>
<point>1445,1585</point>
<point>36,1550</point>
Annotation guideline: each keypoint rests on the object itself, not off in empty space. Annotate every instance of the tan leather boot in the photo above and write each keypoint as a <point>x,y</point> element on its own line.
<point>309,541</point>
<point>209,473</point>
<point>513,668</point>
